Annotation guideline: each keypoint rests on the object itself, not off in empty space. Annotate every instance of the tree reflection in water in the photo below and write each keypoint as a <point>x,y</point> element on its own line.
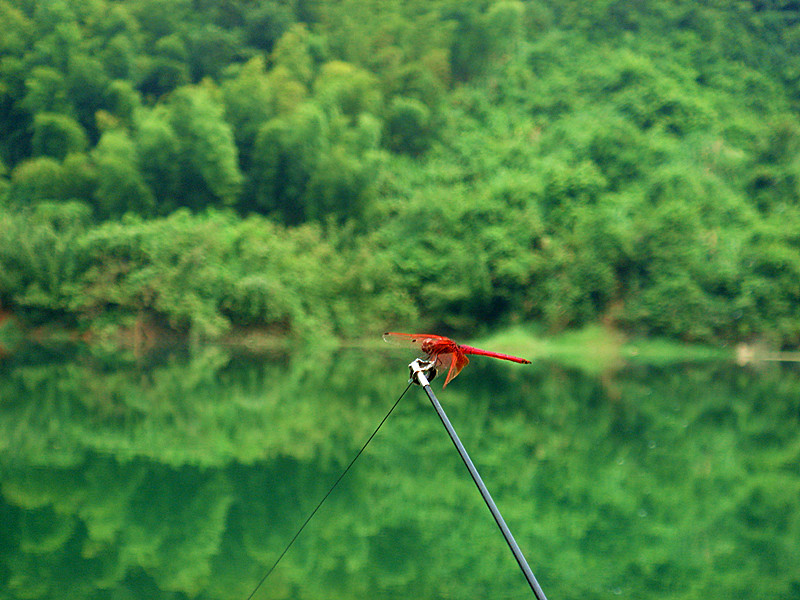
<point>186,476</point>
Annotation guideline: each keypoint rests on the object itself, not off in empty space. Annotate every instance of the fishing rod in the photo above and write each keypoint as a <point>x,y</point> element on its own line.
<point>419,370</point>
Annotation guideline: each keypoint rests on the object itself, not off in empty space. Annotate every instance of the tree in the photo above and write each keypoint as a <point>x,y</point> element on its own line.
<point>472,44</point>
<point>57,135</point>
<point>158,152</point>
<point>408,126</point>
<point>87,85</point>
<point>35,180</point>
<point>209,160</point>
<point>286,155</point>
<point>344,87</point>
<point>121,188</point>
<point>265,23</point>
<point>46,91</point>
<point>40,258</point>
<point>3,184</point>
<point>210,49</point>
<point>121,103</point>
<point>292,52</point>
<point>166,69</point>
<point>249,98</point>
<point>19,30</point>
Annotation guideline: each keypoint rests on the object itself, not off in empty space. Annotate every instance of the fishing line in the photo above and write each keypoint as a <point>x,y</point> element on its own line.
<point>325,497</point>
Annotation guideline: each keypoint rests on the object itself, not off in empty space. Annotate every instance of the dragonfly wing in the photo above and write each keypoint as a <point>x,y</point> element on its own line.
<point>456,361</point>
<point>432,345</point>
<point>410,339</point>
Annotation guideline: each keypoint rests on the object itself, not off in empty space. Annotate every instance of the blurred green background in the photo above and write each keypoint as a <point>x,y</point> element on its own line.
<point>207,207</point>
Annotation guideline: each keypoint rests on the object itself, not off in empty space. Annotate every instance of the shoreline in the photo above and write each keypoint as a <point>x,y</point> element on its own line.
<point>595,348</point>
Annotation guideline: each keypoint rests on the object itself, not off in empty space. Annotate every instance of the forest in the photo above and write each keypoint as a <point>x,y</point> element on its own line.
<point>340,167</point>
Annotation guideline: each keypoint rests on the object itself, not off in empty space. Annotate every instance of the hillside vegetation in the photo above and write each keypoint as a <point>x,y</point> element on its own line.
<point>308,166</point>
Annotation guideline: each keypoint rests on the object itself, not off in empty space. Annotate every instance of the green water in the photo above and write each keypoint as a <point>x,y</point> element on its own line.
<point>184,475</point>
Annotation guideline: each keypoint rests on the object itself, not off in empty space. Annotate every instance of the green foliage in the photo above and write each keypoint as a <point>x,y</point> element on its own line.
<point>35,180</point>
<point>46,91</point>
<point>123,101</point>
<point>209,163</point>
<point>20,28</point>
<point>200,275</point>
<point>285,156</point>
<point>121,188</point>
<point>4,184</point>
<point>472,44</point>
<point>40,258</point>
<point>158,154</point>
<point>344,87</point>
<point>770,293</point>
<point>162,75</point>
<point>249,98</point>
<point>292,52</point>
<point>309,166</point>
<point>465,280</point>
<point>408,126</point>
<point>57,135</point>
<point>265,23</point>
<point>650,149</point>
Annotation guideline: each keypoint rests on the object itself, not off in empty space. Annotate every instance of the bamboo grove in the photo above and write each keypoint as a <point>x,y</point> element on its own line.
<point>307,166</point>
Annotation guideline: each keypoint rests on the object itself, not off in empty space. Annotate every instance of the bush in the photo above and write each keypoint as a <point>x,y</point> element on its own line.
<point>57,135</point>
<point>41,260</point>
<point>408,126</point>
<point>195,274</point>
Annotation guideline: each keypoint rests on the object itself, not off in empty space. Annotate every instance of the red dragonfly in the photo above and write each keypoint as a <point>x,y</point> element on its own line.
<point>445,353</point>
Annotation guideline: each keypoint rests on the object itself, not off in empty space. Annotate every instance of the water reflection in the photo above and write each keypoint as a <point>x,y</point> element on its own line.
<point>185,476</point>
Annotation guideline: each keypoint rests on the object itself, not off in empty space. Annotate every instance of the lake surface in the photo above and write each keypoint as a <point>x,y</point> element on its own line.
<point>184,475</point>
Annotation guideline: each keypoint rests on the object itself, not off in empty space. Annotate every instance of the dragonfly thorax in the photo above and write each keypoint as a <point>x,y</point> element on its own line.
<point>435,347</point>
